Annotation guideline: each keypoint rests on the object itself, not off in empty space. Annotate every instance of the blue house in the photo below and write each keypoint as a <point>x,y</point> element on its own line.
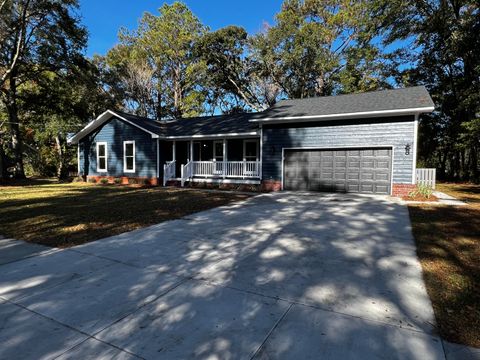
<point>363,143</point>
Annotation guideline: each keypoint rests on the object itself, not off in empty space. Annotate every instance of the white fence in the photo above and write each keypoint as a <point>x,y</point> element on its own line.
<point>426,177</point>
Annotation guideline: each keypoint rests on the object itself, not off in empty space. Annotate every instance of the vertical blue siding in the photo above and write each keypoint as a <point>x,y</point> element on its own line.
<point>114,133</point>
<point>396,132</point>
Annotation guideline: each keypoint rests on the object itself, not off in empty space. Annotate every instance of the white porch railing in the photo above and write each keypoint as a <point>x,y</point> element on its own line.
<point>186,172</point>
<point>241,169</point>
<point>426,177</point>
<point>168,171</point>
<point>221,169</point>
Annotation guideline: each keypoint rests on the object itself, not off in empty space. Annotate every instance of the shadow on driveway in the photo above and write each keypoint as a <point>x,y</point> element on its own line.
<point>277,276</point>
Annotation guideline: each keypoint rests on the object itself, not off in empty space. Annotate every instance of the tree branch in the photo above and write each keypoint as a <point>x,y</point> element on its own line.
<point>2,4</point>
<point>18,46</point>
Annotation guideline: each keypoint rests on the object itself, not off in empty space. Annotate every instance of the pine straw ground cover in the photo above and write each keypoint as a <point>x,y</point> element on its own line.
<point>67,214</point>
<point>448,246</point>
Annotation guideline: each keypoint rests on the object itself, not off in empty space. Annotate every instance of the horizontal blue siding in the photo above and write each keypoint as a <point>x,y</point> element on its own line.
<point>397,132</point>
<point>114,133</point>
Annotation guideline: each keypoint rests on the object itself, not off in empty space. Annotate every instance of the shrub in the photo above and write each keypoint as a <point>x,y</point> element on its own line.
<point>422,190</point>
<point>132,181</point>
<point>77,179</point>
<point>92,180</point>
<point>146,182</point>
<point>117,181</point>
<point>104,181</point>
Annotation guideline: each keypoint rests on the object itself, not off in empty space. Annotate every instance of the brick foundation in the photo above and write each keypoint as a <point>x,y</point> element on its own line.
<point>124,180</point>
<point>400,190</point>
<point>271,185</point>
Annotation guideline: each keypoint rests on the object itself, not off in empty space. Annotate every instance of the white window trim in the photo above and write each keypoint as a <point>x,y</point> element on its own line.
<point>245,149</point>
<point>125,143</point>
<point>106,157</point>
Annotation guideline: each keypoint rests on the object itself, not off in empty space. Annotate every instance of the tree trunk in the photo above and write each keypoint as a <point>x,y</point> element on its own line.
<point>177,92</point>
<point>16,136</point>
<point>2,162</point>
<point>474,164</point>
<point>61,165</point>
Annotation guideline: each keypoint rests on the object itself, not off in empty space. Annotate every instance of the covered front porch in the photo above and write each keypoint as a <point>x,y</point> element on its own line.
<point>213,160</point>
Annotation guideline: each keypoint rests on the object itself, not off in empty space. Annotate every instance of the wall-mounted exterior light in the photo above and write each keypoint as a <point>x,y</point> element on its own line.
<point>407,149</point>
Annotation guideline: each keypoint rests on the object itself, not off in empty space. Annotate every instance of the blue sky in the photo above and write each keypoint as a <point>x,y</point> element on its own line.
<point>103,18</point>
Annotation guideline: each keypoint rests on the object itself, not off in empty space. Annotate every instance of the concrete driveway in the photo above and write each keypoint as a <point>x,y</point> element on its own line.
<point>279,276</point>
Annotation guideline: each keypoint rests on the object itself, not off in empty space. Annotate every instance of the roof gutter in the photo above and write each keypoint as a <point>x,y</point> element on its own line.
<point>230,135</point>
<point>342,116</point>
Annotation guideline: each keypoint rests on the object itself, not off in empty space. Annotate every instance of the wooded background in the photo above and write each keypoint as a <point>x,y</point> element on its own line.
<point>174,66</point>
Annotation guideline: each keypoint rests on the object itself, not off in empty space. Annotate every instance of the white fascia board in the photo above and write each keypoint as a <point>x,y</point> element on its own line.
<point>92,125</point>
<point>364,114</point>
<point>254,133</point>
<point>104,117</point>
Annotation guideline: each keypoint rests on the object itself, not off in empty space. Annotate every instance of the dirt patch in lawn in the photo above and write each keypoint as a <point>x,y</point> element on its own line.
<point>64,215</point>
<point>448,245</point>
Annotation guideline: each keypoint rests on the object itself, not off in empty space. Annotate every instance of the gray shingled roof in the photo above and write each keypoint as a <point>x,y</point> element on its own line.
<point>384,100</point>
<point>153,126</point>
<point>396,99</point>
<point>211,125</point>
<point>329,106</point>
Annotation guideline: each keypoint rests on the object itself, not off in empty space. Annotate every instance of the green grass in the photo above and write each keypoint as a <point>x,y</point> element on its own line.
<point>448,246</point>
<point>67,214</point>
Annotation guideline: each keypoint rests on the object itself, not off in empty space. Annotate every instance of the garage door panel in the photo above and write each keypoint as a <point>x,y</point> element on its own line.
<point>383,164</point>
<point>326,176</point>
<point>353,176</point>
<point>353,187</point>
<point>382,177</point>
<point>353,164</point>
<point>353,170</point>
<point>367,164</point>
<point>367,187</point>
<point>379,189</point>
<point>382,152</point>
<point>368,175</point>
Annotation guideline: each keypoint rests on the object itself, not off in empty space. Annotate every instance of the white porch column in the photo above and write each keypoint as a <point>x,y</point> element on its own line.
<point>260,170</point>
<point>224,165</point>
<point>191,150</point>
<point>174,150</point>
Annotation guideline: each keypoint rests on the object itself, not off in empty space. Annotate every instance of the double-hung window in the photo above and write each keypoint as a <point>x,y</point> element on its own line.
<point>101,157</point>
<point>129,156</point>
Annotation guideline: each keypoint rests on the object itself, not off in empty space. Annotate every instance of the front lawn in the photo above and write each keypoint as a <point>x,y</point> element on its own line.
<point>448,245</point>
<point>68,214</point>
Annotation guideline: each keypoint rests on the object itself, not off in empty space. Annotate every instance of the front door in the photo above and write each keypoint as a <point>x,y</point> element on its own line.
<point>197,151</point>
<point>218,157</point>
<point>181,155</point>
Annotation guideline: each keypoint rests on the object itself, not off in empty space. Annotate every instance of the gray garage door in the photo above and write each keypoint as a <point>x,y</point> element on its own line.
<point>347,170</point>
